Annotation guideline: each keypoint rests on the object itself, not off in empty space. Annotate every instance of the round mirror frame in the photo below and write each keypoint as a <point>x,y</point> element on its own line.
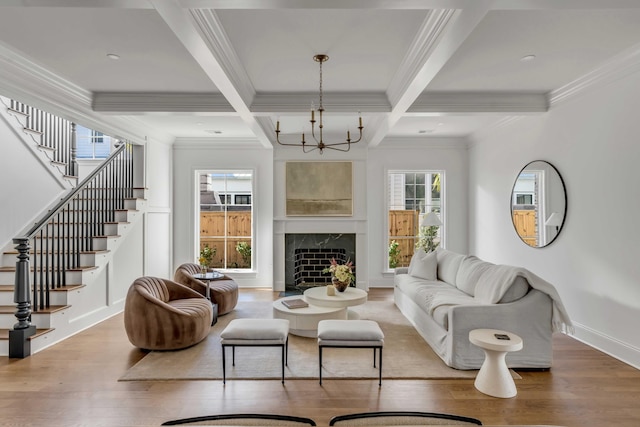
<point>555,197</point>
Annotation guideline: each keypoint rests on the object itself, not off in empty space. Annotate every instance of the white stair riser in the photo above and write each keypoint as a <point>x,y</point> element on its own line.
<point>75,277</point>
<point>41,320</point>
<point>56,298</point>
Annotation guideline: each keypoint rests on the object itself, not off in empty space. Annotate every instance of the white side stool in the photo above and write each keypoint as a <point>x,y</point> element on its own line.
<point>494,377</point>
<point>255,333</point>
<point>351,334</point>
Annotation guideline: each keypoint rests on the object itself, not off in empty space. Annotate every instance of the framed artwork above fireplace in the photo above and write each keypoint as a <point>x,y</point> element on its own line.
<point>319,189</point>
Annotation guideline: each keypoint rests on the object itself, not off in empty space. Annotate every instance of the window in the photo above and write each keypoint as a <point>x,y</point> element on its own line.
<point>243,199</point>
<point>411,195</point>
<point>91,144</point>
<point>225,227</point>
<point>96,137</point>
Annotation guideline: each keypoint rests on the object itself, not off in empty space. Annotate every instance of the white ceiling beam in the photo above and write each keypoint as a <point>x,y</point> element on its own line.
<point>340,4</point>
<point>183,25</point>
<point>480,102</point>
<point>443,32</point>
<point>135,102</point>
<point>410,4</point>
<point>334,102</point>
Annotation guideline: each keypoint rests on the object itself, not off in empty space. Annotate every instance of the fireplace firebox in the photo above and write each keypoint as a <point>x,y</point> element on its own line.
<point>308,254</point>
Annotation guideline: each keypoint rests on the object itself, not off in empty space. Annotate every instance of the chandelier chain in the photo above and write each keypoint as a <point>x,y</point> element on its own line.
<point>321,85</point>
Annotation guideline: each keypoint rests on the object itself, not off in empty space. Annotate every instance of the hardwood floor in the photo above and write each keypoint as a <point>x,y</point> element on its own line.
<point>76,383</point>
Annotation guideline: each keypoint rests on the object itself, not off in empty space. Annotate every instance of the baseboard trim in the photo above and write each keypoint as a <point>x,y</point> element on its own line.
<point>613,347</point>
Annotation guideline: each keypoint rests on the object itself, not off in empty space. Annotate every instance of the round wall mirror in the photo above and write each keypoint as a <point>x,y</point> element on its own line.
<point>538,204</point>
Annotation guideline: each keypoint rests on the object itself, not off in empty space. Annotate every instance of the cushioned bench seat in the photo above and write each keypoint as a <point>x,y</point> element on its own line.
<point>350,334</point>
<point>255,333</point>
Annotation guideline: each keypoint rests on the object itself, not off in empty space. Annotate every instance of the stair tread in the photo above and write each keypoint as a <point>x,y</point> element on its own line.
<point>67,288</point>
<point>4,333</point>
<point>81,268</point>
<point>11,309</point>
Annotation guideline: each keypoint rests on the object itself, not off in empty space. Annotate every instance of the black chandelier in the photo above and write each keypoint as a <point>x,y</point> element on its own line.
<point>319,142</point>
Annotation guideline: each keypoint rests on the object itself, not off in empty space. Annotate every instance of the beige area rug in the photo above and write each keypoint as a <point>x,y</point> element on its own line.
<point>405,355</point>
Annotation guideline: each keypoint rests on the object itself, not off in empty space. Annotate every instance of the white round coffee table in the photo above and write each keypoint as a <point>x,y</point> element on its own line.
<point>350,297</point>
<point>494,377</point>
<point>304,321</point>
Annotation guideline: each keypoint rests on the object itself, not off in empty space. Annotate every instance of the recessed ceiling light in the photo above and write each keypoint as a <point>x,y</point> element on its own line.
<point>113,56</point>
<point>528,58</point>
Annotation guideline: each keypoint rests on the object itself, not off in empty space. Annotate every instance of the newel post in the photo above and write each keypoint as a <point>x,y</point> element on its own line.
<point>19,343</point>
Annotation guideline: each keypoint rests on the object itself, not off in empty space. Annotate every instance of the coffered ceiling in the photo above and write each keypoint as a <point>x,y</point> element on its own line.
<point>225,70</point>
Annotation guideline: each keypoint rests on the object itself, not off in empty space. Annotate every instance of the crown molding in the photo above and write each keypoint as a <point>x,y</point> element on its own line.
<point>488,131</point>
<point>480,102</point>
<point>216,144</point>
<point>621,65</point>
<point>124,102</point>
<point>212,32</point>
<point>29,82</point>
<point>333,102</point>
<point>411,142</point>
<point>419,51</point>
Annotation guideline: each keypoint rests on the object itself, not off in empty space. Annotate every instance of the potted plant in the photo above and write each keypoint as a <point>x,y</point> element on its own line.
<point>206,255</point>
<point>244,249</point>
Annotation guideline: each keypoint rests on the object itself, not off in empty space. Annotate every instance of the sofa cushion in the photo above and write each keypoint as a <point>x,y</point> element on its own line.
<point>415,258</point>
<point>471,268</point>
<point>517,290</point>
<point>497,282</point>
<point>436,301</point>
<point>448,265</point>
<point>409,285</point>
<point>424,267</point>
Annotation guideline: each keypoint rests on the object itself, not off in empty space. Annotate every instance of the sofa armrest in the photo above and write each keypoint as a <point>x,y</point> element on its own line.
<point>401,270</point>
<point>530,314</point>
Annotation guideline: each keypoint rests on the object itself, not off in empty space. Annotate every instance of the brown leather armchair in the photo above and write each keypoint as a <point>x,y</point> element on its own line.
<point>160,314</point>
<point>223,291</point>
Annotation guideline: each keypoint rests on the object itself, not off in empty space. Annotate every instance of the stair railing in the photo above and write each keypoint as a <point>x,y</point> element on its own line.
<point>57,241</point>
<point>58,134</point>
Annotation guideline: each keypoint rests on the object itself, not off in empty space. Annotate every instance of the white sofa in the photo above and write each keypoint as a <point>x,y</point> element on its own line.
<point>445,295</point>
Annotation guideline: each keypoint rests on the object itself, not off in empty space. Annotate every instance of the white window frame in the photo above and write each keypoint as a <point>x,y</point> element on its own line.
<point>443,228</point>
<point>252,194</point>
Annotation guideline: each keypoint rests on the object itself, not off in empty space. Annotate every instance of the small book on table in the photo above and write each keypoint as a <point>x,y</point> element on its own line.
<point>295,303</point>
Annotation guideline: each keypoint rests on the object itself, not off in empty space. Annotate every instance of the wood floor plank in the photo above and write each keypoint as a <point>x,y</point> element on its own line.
<point>76,383</point>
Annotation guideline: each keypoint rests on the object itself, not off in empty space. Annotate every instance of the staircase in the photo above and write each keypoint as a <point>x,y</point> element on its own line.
<point>53,319</point>
<point>70,251</point>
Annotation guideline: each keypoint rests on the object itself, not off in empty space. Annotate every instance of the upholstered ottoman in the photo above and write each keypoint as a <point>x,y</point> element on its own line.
<point>351,334</point>
<point>255,333</point>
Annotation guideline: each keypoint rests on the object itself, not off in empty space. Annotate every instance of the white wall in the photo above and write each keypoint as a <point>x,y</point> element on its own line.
<point>190,156</point>
<point>449,155</point>
<point>28,186</point>
<point>158,254</point>
<point>592,140</point>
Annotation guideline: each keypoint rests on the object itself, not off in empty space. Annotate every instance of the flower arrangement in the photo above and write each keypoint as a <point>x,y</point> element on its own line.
<point>206,255</point>
<point>341,272</point>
